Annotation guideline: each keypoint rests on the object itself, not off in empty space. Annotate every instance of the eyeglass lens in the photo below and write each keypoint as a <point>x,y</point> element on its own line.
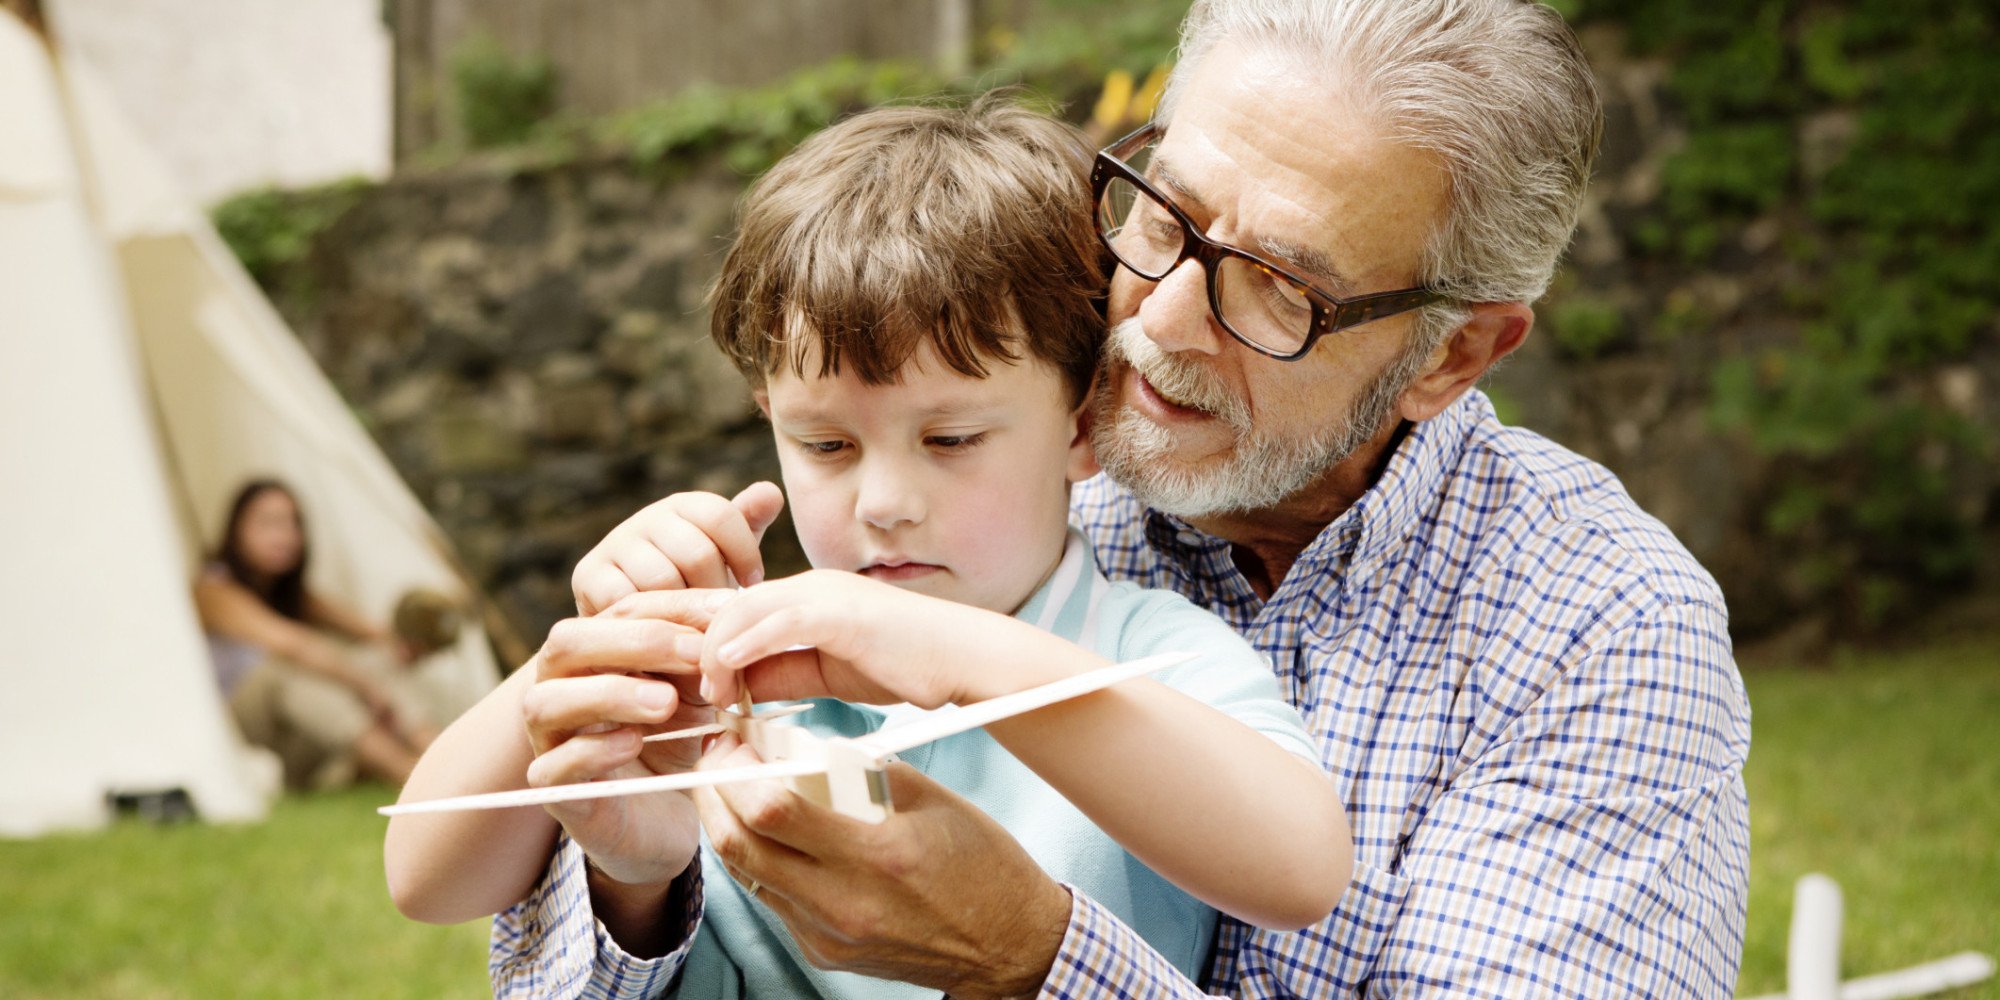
<point>1253,302</point>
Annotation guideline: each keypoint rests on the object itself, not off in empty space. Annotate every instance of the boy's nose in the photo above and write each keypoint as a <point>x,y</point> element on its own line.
<point>888,499</point>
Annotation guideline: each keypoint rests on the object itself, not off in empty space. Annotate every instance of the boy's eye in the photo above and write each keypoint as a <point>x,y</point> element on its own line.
<point>822,449</point>
<point>955,442</point>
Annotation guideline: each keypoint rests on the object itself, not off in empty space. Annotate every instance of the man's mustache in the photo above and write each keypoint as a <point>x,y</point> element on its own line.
<point>1178,378</point>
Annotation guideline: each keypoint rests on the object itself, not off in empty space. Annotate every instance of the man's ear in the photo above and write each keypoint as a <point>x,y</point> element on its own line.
<point>1082,460</point>
<point>1493,331</point>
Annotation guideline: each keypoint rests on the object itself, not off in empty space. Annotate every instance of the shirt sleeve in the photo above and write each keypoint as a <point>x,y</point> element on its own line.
<point>1102,957</point>
<point>551,944</point>
<point>1600,846</point>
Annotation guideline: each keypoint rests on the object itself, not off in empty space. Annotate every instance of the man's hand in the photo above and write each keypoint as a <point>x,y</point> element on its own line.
<point>938,895</point>
<point>686,540</point>
<point>598,691</point>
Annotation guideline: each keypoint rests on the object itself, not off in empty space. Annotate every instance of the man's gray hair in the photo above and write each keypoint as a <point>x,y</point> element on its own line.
<point>1498,89</point>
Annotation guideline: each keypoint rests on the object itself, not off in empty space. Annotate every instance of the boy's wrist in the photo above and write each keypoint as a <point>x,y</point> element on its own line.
<point>639,916</point>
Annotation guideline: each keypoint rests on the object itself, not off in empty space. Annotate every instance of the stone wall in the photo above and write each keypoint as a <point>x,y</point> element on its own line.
<point>531,350</point>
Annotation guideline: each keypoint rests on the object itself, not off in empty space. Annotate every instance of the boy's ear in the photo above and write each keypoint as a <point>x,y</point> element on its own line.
<point>763,398</point>
<point>1082,462</point>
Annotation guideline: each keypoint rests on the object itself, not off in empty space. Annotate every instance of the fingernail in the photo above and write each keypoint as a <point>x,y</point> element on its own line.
<point>708,690</point>
<point>756,577</point>
<point>715,599</point>
<point>654,697</point>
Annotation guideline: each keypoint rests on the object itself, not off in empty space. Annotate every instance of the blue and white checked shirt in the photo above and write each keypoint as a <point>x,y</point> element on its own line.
<point>1523,685</point>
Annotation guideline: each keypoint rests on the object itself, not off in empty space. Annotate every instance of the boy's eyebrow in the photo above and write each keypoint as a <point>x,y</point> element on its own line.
<point>814,414</point>
<point>1297,257</point>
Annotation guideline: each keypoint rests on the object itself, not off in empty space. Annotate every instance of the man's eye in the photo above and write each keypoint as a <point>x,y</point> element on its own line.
<point>955,442</point>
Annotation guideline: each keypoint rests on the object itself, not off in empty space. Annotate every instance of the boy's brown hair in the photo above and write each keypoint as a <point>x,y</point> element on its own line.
<point>965,228</point>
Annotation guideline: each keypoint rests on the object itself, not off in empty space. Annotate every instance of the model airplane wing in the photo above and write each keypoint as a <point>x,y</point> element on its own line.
<point>959,718</point>
<point>610,789</point>
<point>869,752</point>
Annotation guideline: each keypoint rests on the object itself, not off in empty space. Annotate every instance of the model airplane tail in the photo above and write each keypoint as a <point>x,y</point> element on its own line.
<point>843,774</point>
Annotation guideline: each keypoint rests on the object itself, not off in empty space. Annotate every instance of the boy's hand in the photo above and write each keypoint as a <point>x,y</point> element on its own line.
<point>601,684</point>
<point>871,642</point>
<point>686,540</point>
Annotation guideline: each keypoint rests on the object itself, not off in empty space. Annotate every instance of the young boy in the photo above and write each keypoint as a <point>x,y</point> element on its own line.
<point>910,297</point>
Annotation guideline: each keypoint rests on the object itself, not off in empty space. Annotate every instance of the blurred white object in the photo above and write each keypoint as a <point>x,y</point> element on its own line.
<point>235,94</point>
<point>1812,961</point>
<point>1812,966</point>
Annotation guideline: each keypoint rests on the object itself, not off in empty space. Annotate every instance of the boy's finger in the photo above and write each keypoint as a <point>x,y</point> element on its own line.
<point>597,584</point>
<point>685,542</point>
<point>646,567</point>
<point>759,503</point>
<point>727,530</point>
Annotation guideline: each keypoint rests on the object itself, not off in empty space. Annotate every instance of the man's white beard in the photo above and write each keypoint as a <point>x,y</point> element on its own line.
<point>1262,469</point>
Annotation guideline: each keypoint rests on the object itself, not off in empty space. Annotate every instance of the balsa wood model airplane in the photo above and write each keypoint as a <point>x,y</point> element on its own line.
<point>843,774</point>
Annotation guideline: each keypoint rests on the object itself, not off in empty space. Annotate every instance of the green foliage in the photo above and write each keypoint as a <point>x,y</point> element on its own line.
<point>752,128</point>
<point>501,97</point>
<point>1583,327</point>
<point>1895,257</point>
<point>270,229</point>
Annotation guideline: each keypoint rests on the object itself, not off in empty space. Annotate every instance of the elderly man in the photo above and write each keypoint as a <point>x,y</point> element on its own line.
<point>1522,683</point>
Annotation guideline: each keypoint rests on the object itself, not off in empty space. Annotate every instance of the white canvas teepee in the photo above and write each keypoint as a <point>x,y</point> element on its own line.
<point>143,379</point>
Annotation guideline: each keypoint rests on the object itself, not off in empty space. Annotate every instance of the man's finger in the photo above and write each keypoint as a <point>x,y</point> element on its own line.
<point>739,847</point>
<point>553,710</point>
<point>578,646</point>
<point>689,609</point>
<point>584,757</point>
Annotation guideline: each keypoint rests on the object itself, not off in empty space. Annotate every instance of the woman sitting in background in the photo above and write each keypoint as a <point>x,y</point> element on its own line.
<point>305,677</point>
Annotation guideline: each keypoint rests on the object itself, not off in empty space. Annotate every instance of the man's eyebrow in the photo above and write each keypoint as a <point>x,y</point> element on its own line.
<point>1309,262</point>
<point>1162,172</point>
<point>1305,260</point>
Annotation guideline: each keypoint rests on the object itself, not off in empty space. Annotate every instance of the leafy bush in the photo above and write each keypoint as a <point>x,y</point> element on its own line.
<point>501,97</point>
<point>270,229</point>
<point>1893,256</point>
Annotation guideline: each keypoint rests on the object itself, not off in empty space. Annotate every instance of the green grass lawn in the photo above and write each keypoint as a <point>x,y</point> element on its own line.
<point>1882,770</point>
<point>294,907</point>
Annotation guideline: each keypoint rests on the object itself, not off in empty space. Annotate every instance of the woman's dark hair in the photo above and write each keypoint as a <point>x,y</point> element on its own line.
<point>287,593</point>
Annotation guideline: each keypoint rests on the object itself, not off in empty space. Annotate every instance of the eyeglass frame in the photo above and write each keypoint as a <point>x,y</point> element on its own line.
<point>1331,313</point>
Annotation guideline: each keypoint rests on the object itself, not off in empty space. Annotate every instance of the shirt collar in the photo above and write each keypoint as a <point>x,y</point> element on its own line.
<point>1390,512</point>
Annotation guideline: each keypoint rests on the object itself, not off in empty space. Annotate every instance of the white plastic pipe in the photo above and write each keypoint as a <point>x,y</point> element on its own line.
<point>1812,963</point>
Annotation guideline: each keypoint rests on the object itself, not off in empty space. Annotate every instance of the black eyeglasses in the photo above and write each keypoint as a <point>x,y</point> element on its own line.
<point>1268,308</point>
